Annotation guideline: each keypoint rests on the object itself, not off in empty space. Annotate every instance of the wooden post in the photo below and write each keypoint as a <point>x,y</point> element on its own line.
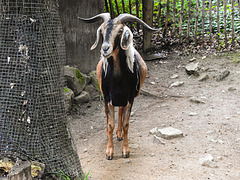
<point>106,5</point>
<point>123,6</point>
<point>218,22</point>
<point>203,17</point>
<point>225,22</point>
<point>181,21</point>
<point>189,18</point>
<point>111,9</point>
<point>174,18</point>
<point>166,19</point>
<point>116,4</point>
<point>147,18</point>
<point>159,13</point>
<point>196,22</point>
<point>210,21</point>
<point>233,29</point>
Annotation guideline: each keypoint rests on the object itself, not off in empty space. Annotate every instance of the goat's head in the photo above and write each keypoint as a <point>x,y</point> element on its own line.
<point>115,31</point>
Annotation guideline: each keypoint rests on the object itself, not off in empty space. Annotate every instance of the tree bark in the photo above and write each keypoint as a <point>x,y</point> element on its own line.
<point>196,21</point>
<point>147,17</point>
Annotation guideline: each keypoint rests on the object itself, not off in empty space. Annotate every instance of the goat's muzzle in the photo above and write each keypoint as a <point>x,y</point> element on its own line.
<point>106,50</point>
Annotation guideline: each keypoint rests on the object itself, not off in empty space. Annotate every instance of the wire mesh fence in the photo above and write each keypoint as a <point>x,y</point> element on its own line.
<point>32,117</point>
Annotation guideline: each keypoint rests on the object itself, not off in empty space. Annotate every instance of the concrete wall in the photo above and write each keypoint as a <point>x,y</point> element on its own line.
<point>79,36</point>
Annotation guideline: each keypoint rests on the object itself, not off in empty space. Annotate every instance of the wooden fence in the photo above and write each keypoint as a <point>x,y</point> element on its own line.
<point>189,20</point>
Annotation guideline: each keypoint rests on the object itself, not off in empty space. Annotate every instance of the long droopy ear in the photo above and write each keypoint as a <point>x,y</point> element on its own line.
<point>126,39</point>
<point>97,39</point>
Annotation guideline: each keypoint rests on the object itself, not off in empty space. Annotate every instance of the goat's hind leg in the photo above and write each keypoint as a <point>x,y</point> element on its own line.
<point>120,124</point>
<point>109,110</point>
<point>126,115</point>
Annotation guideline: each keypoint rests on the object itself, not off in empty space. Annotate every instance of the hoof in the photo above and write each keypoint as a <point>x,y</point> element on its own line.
<point>109,157</point>
<point>119,138</point>
<point>125,155</point>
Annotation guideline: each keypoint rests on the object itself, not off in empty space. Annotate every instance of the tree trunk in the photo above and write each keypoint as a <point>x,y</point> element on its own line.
<point>78,35</point>
<point>166,19</point>
<point>203,16</point>
<point>210,21</point>
<point>147,17</point>
<point>181,20</point>
<point>189,18</point>
<point>225,22</point>
<point>233,30</point>
<point>174,18</point>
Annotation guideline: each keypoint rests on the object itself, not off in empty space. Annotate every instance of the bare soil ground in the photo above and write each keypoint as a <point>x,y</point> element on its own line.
<point>213,129</point>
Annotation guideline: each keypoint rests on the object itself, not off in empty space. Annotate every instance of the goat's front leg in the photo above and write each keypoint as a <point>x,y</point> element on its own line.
<point>126,115</point>
<point>120,124</point>
<point>109,110</point>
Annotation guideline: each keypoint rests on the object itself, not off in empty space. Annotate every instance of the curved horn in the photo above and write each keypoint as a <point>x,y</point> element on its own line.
<point>103,16</point>
<point>128,17</point>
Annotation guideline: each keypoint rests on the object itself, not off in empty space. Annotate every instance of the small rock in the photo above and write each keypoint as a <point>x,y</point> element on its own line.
<point>158,140</point>
<point>154,131</point>
<point>150,57</point>
<point>232,89</point>
<point>68,97</point>
<point>192,68</point>
<point>177,84</point>
<point>174,76</point>
<point>128,161</point>
<point>208,161</point>
<point>152,155</point>
<point>170,133</point>
<point>196,100</point>
<point>85,150</point>
<point>203,77</point>
<point>84,97</point>
<point>223,75</point>
<point>193,114</point>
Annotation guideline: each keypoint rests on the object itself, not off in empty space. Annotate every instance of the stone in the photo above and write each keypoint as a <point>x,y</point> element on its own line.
<point>196,100</point>
<point>174,76</point>
<point>177,84</point>
<point>154,131</point>
<point>94,81</point>
<point>75,80</point>
<point>203,77</point>
<point>207,161</point>
<point>84,97</point>
<point>192,68</point>
<point>232,89</point>
<point>158,140</point>
<point>68,98</point>
<point>223,75</point>
<point>170,133</point>
<point>21,170</point>
<point>193,114</point>
<point>150,57</point>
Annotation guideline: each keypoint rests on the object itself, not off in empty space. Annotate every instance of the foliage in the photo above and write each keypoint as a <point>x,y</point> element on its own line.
<point>185,13</point>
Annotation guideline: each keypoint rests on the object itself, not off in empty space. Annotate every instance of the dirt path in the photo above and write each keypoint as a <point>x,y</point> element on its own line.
<point>213,129</point>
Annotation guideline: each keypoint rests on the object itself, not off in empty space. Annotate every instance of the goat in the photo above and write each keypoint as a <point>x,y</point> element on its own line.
<point>120,73</point>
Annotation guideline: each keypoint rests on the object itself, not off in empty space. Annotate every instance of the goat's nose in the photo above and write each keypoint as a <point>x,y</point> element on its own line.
<point>105,47</point>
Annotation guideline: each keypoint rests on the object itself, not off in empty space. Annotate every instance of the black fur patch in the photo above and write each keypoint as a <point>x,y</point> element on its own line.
<point>121,88</point>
